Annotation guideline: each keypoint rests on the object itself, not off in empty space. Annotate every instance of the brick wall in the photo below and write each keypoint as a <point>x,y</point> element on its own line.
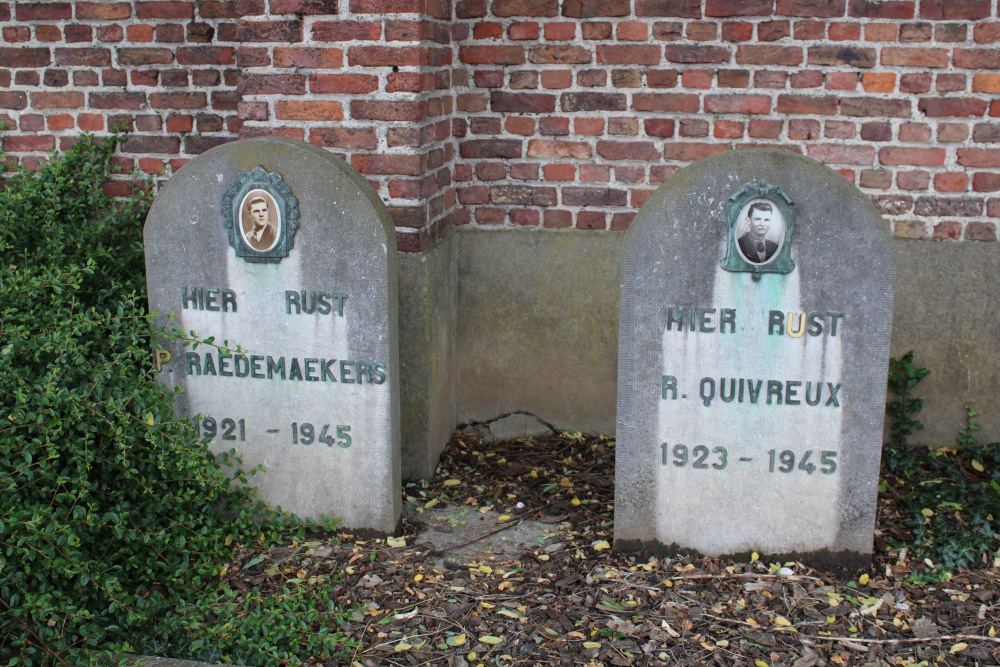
<point>531,113</point>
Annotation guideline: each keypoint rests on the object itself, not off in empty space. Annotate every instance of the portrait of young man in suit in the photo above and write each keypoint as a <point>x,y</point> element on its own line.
<point>754,244</point>
<point>259,232</point>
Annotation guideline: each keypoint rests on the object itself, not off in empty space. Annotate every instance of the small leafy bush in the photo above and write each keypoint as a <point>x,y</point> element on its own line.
<point>946,502</point>
<point>113,516</point>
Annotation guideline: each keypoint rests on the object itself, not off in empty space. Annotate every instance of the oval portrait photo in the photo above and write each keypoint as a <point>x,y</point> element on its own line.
<point>260,220</point>
<point>760,231</point>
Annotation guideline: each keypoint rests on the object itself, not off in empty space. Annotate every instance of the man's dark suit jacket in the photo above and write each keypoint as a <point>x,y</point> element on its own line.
<point>266,238</point>
<point>747,247</point>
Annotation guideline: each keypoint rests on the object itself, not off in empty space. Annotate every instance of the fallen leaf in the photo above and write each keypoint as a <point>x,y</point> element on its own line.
<point>782,622</point>
<point>591,644</point>
<point>960,646</point>
<point>456,640</point>
<point>396,542</point>
<point>601,545</point>
<point>863,579</point>
<point>490,639</point>
<point>978,466</point>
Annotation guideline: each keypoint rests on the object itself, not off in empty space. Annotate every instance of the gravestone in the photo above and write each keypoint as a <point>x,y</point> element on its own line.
<point>755,319</point>
<point>284,257</point>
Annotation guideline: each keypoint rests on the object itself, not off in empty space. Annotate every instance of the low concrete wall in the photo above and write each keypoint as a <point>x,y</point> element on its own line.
<point>500,321</point>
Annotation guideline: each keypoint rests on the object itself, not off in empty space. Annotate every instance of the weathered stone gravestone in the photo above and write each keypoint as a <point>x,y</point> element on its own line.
<point>283,250</point>
<point>756,309</point>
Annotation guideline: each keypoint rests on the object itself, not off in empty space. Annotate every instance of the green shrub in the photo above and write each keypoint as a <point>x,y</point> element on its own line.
<point>112,514</point>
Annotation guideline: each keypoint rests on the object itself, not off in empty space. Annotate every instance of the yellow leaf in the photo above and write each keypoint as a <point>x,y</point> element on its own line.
<point>452,482</point>
<point>509,614</point>
<point>455,640</point>
<point>977,465</point>
<point>928,513</point>
<point>152,422</point>
<point>601,546</point>
<point>503,518</point>
<point>431,503</point>
<point>863,579</point>
<point>575,634</point>
<point>222,572</point>
<point>542,557</point>
<point>754,557</point>
<point>486,605</point>
<point>761,663</point>
<point>960,646</point>
<point>403,646</point>
<point>486,569</point>
<point>229,540</point>
<point>782,622</point>
<point>490,639</point>
<point>591,644</point>
<point>722,643</point>
<point>992,632</point>
<point>575,502</point>
<point>831,619</point>
<point>418,578</point>
<point>396,542</point>
<point>668,584</point>
<point>753,623</point>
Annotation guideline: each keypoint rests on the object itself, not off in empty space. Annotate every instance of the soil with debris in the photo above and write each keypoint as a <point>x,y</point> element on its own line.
<point>505,559</point>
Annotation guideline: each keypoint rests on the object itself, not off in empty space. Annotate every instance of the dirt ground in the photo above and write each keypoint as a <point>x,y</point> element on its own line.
<point>506,559</point>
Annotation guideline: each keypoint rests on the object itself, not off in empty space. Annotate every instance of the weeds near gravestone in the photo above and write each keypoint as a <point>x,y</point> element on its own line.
<point>115,518</point>
<point>943,504</point>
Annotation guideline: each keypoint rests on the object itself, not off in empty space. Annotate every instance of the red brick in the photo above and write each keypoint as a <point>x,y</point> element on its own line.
<point>875,107</point>
<point>134,57</point>
<point>60,100</point>
<point>43,11</point>
<point>490,216</point>
<point>845,32</point>
<point>556,79</point>
<point>629,55</point>
<point>801,104</point>
<point>765,129</point>
<point>885,9</point>
<point>841,80</point>
<point>809,78</point>
<point>491,148</point>
<point>737,31</point>
<point>588,9</point>
<point>728,129</point>
<point>15,34</point>
<point>103,11</point>
<point>667,102</point>
<point>800,128</point>
<point>836,55</point>
<point>386,6</point>
<point>951,181</point>
<point>913,180</point>
<point>689,152</point>
<point>658,127</point>
<point>689,54</point>
<point>302,7</point>
<point>117,100</point>
<point>343,31</point>
<point>702,31</point>
<point>949,206</point>
<point>986,33</point>
<point>596,30</point>
<point>345,84</point>
<point>78,33</point>
<point>557,218</point>
<point>875,131</point>
<point>986,182</point>
<point>273,84</point>
<point>661,78</point>
<point>628,150</point>
<point>768,54</point>
<point>592,102</point>
<point>954,10</point>
<point>491,171</point>
<point>522,103</point>
<point>269,31</point>
<point>321,111</point>
<point>24,57</point>
<point>523,30</point>
<point>470,9</point>
<point>688,9</point>
<point>952,107</point>
<point>388,163</point>
<point>840,154</point>
<point>560,31</point>
<point>591,220</point>
<point>559,149</point>
<point>738,104</point>
<point>922,157</point>
<point>164,10</point>
<point>28,143</point>
<point>550,54</point>
<point>947,230</point>
<point>914,57</point>
<point>726,8</point>
<point>583,196</point>
<point>981,231</point>
<point>811,8</point>
<point>520,125</point>
<point>388,110</point>
<point>90,122</point>
<point>986,133</point>
<point>986,82</point>
<point>977,58</point>
<point>312,58</point>
<point>206,55</point>
<point>668,31</point>
<point>491,55</point>
<point>507,8</point>
<point>10,99</point>
<point>48,33</point>
<point>488,30</point>
<point>632,31</point>
<point>734,78</point>
<point>915,32</point>
<point>979,157</point>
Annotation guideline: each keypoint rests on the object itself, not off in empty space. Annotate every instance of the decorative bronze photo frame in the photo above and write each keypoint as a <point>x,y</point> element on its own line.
<point>261,215</point>
<point>761,218</point>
